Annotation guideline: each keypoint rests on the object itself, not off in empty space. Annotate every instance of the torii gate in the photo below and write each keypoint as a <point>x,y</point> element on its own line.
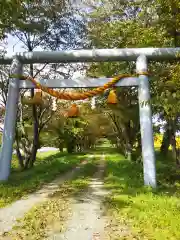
<point>140,55</point>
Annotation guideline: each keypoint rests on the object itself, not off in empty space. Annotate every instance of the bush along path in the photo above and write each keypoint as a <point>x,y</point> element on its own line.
<point>10,214</point>
<point>72,212</point>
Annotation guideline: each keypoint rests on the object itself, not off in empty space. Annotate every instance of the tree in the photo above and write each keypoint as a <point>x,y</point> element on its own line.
<point>118,24</point>
<point>49,25</point>
<point>10,18</point>
<point>75,134</point>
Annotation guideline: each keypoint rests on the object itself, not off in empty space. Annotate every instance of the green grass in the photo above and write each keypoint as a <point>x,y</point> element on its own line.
<point>137,212</point>
<point>51,216</point>
<point>47,167</point>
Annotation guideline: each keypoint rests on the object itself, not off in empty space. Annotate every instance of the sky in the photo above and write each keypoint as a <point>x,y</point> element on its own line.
<point>13,45</point>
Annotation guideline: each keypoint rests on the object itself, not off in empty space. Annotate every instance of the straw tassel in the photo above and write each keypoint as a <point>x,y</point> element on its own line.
<point>112,98</point>
<point>73,112</point>
<point>37,99</point>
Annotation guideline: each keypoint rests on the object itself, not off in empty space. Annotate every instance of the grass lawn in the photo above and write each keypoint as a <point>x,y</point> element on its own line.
<point>47,167</point>
<point>137,212</point>
<point>50,217</point>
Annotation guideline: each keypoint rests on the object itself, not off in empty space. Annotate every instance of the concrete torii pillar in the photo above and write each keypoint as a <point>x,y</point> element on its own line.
<point>147,140</point>
<point>10,121</point>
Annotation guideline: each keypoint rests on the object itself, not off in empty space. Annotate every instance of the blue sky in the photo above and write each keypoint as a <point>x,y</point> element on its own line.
<point>13,45</point>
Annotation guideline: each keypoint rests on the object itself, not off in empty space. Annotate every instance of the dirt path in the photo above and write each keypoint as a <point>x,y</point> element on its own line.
<point>10,214</point>
<point>87,221</point>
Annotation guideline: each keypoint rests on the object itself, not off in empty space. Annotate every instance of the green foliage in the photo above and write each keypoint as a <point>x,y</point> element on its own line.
<point>9,18</point>
<point>143,214</point>
<point>49,24</point>
<point>43,24</point>
<point>76,134</point>
<point>143,28</point>
<point>29,16</point>
<point>68,131</point>
<point>144,23</point>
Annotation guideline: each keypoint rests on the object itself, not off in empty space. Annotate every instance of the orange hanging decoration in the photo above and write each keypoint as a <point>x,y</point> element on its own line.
<point>37,99</point>
<point>112,98</point>
<point>73,111</point>
<point>80,95</point>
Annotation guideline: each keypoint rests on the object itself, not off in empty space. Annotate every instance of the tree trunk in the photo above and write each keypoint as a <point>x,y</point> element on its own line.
<point>127,135</point>
<point>174,149</point>
<point>27,162</point>
<point>169,138</point>
<point>19,133</point>
<point>19,155</point>
<point>35,126</point>
<point>61,148</point>
<point>173,141</point>
<point>166,139</point>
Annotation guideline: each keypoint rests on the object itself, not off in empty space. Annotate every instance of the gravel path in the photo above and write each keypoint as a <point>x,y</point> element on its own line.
<point>10,214</point>
<point>87,221</point>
